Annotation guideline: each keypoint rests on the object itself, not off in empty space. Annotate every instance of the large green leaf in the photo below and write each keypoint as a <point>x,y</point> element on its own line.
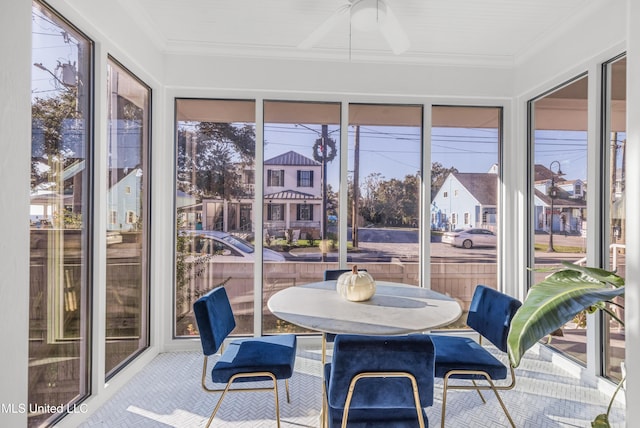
<point>557,300</point>
<point>596,274</point>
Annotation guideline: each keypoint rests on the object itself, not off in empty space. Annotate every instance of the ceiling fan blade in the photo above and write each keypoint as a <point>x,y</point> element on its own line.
<point>325,27</point>
<point>393,32</point>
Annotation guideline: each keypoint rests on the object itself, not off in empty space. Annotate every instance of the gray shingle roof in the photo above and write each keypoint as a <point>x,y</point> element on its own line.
<point>483,186</point>
<point>563,200</point>
<point>542,173</point>
<point>291,158</point>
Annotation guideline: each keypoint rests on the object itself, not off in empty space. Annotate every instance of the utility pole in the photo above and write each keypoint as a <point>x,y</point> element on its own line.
<point>553,193</point>
<point>356,189</point>
<point>325,139</point>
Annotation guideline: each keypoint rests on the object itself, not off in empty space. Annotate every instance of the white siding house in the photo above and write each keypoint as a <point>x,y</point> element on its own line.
<point>292,200</point>
<point>124,202</point>
<point>293,195</point>
<point>465,200</point>
<point>569,204</point>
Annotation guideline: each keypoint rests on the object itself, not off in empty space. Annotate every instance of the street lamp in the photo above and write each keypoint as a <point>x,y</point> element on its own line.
<point>553,193</point>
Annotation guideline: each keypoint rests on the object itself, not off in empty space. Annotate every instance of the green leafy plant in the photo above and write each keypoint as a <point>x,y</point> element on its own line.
<point>558,299</point>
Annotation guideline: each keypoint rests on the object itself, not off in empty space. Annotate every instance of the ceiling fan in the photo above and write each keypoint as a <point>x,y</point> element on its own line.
<point>364,15</point>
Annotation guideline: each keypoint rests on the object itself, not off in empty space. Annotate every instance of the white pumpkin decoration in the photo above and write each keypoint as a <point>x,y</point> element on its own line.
<point>356,286</point>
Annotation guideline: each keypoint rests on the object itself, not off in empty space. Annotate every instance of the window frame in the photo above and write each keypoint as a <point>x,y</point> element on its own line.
<point>304,178</point>
<point>85,351</point>
<point>275,177</point>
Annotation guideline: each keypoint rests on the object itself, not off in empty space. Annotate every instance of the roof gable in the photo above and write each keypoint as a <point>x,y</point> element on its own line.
<point>483,186</point>
<point>291,158</point>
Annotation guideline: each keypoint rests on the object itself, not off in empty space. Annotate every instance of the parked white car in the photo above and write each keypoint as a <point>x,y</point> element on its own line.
<point>468,238</point>
<point>228,247</point>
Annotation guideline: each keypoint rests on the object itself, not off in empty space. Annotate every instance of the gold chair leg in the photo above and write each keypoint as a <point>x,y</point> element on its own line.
<point>324,349</point>
<point>324,421</point>
<point>477,387</point>
<point>286,387</point>
<point>478,391</point>
<point>324,411</point>
<point>275,391</point>
<point>444,401</point>
<point>215,410</point>
<point>227,388</point>
<point>504,408</point>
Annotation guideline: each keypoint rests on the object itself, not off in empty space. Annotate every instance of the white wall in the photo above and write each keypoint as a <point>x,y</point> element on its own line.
<point>328,80</point>
<point>116,25</point>
<point>15,163</point>
<point>560,59</point>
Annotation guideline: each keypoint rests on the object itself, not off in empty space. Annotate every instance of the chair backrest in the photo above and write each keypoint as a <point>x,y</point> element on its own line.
<point>490,314</point>
<point>354,354</point>
<point>214,318</point>
<point>331,274</point>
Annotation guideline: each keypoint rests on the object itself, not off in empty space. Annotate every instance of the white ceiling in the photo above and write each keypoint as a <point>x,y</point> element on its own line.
<point>483,32</point>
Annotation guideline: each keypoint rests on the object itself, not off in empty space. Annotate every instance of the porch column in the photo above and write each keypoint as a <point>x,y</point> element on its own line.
<point>287,216</point>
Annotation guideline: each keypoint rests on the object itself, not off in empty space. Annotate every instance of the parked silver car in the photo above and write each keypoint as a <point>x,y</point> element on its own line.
<point>228,247</point>
<point>469,238</point>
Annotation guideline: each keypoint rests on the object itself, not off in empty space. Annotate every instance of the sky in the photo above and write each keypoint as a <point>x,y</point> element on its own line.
<point>393,152</point>
<point>51,47</point>
<point>569,148</point>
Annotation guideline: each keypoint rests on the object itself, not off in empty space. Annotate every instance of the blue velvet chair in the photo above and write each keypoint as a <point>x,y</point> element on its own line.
<point>379,381</point>
<point>331,275</point>
<point>490,315</point>
<point>243,360</point>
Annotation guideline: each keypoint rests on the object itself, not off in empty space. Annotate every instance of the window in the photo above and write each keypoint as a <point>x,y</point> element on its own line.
<point>299,213</point>
<point>305,178</point>
<point>465,156</point>
<point>385,176</point>
<point>304,212</point>
<point>275,178</point>
<point>215,158</point>
<point>127,313</point>
<point>558,220</point>
<point>275,212</point>
<point>61,221</point>
<point>614,199</point>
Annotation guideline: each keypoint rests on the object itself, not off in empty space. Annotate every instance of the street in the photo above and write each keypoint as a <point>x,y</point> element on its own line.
<point>387,244</point>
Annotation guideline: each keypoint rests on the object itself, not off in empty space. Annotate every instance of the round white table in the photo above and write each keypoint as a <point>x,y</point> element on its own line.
<point>394,309</point>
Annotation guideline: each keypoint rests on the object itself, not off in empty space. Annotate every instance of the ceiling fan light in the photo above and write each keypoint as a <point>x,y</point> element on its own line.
<point>367,15</point>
